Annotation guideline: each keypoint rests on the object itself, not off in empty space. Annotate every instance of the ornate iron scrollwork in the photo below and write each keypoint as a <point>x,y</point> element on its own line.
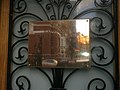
<point>99,14</point>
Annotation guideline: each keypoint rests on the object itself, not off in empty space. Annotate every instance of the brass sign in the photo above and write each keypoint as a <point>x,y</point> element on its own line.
<point>59,44</point>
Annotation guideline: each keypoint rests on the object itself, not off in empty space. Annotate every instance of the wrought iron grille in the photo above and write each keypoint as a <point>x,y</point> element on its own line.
<point>104,54</point>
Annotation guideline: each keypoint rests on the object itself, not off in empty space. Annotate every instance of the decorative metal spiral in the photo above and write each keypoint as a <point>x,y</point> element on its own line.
<point>97,87</point>
<point>20,6</point>
<point>21,84</point>
<point>20,56</point>
<point>98,28</point>
<point>98,52</point>
<point>103,3</point>
<point>20,59</point>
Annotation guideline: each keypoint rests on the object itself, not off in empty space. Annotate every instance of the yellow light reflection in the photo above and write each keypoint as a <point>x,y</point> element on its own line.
<point>82,30</point>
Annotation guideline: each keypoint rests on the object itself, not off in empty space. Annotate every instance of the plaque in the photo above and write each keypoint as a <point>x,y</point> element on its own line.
<point>59,44</point>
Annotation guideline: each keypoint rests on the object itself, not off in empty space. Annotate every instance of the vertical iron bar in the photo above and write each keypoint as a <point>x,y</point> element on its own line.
<point>58,9</point>
<point>9,46</point>
<point>63,9</point>
<point>115,2</point>
<point>57,78</point>
<point>53,8</point>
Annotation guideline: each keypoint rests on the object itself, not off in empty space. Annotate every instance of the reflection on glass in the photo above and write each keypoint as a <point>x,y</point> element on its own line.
<point>86,54</point>
<point>82,31</point>
<point>60,43</point>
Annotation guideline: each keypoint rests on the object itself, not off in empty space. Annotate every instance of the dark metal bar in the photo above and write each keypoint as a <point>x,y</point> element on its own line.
<point>9,46</point>
<point>115,2</point>
<point>63,9</point>
<point>58,9</point>
<point>51,2</point>
<point>58,78</point>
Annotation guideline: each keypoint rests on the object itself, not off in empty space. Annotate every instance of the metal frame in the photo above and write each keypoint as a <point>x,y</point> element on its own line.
<point>58,83</point>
